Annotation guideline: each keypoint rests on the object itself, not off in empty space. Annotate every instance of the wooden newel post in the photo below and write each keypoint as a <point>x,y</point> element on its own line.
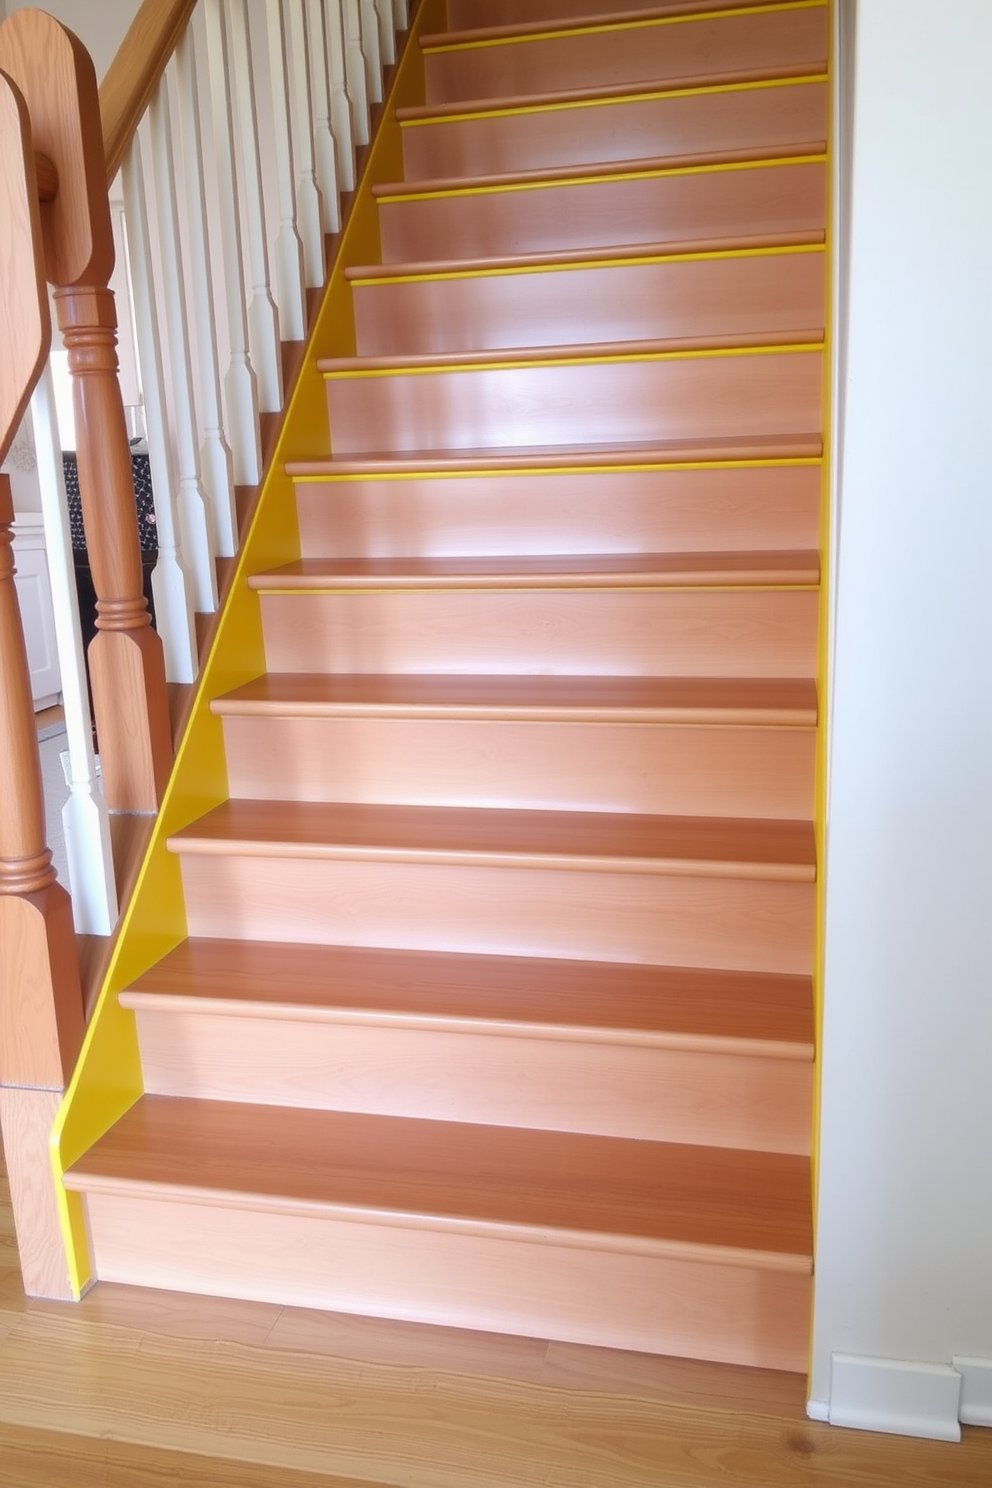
<point>41,1006</point>
<point>127,669</point>
<point>55,75</point>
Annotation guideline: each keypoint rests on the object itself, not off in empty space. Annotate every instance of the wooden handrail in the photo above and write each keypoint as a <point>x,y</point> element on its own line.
<point>133,76</point>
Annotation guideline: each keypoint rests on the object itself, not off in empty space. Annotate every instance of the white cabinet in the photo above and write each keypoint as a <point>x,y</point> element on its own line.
<point>34,593</point>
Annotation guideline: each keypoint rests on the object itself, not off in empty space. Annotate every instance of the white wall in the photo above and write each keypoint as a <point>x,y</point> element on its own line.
<point>904,1260</point>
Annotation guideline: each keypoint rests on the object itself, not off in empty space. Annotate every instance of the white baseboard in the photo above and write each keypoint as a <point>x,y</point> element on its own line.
<point>899,1396</point>
<point>976,1390</point>
<point>818,1410</point>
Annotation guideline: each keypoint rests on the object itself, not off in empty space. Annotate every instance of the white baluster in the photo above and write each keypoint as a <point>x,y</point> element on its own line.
<point>263,317</point>
<point>355,70</point>
<point>401,15</point>
<point>341,116</point>
<point>216,464</point>
<point>387,31</point>
<point>85,817</point>
<point>240,385</point>
<point>194,514</point>
<point>309,209</point>
<point>290,275</point>
<point>371,49</point>
<point>171,588</point>
<point>323,135</point>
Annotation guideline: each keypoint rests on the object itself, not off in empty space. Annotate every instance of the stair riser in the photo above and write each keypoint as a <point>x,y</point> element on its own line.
<point>571,632</point>
<point>632,129</point>
<point>658,1095</point>
<point>772,293</point>
<point>463,15</point>
<point>689,207</point>
<point>756,772</point>
<point>628,401</point>
<point>687,1308</point>
<point>603,57</point>
<point>721,923</point>
<point>755,509</point>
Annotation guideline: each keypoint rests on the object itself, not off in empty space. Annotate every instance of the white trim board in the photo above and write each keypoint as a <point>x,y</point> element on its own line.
<point>899,1396</point>
<point>976,1390</point>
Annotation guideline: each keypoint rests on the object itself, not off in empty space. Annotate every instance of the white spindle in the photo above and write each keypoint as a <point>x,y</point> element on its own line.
<point>341,117</point>
<point>401,15</point>
<point>216,465</point>
<point>194,515</point>
<point>263,317</point>
<point>387,31</point>
<point>240,384</point>
<point>309,209</point>
<point>371,49</point>
<point>85,817</point>
<point>290,275</point>
<point>171,588</point>
<point>323,137</point>
<point>355,70</point>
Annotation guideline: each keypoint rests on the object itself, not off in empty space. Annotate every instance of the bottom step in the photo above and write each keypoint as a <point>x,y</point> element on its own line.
<point>698,1252</point>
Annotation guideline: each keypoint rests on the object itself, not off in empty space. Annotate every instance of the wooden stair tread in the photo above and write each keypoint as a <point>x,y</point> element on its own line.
<point>602,841</point>
<point>611,456</point>
<point>464,268</point>
<point>624,8</point>
<point>612,570</point>
<point>593,1191</point>
<point>719,1011</point>
<point>659,165</point>
<point>740,700</point>
<point>808,337</point>
<point>593,18</point>
<point>427,113</point>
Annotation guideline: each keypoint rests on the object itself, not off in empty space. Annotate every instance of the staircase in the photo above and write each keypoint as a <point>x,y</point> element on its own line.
<point>490,1002</point>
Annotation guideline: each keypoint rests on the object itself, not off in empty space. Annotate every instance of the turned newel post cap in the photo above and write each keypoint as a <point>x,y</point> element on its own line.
<point>55,74</point>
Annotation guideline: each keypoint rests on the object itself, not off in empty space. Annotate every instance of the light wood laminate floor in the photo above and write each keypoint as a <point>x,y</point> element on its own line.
<point>132,1389</point>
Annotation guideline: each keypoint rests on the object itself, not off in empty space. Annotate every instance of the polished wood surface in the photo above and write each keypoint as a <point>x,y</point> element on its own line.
<point>621,507</point>
<point>617,125</point>
<point>140,1387</point>
<point>464,15</point>
<point>544,61</point>
<point>601,210</point>
<point>135,71</point>
<point>25,325</point>
<point>614,570</point>
<point>586,632</point>
<point>659,300</point>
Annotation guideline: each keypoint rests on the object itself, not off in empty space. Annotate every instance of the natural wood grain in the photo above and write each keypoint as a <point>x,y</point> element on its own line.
<point>673,632</point>
<point>719,298</point>
<point>694,1008</point>
<point>464,15</point>
<point>585,570</point>
<point>603,210</point>
<point>619,126</point>
<point>26,1119</point>
<point>134,73</point>
<point>660,919</point>
<point>25,326</point>
<point>545,61</point>
<point>567,510</point>
<point>688,700</point>
<point>776,850</point>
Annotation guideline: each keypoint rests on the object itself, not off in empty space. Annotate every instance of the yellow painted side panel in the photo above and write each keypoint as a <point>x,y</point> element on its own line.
<point>107,1079</point>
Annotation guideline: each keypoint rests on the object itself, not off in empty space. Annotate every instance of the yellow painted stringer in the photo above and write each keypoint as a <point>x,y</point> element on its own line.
<point>107,1079</point>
